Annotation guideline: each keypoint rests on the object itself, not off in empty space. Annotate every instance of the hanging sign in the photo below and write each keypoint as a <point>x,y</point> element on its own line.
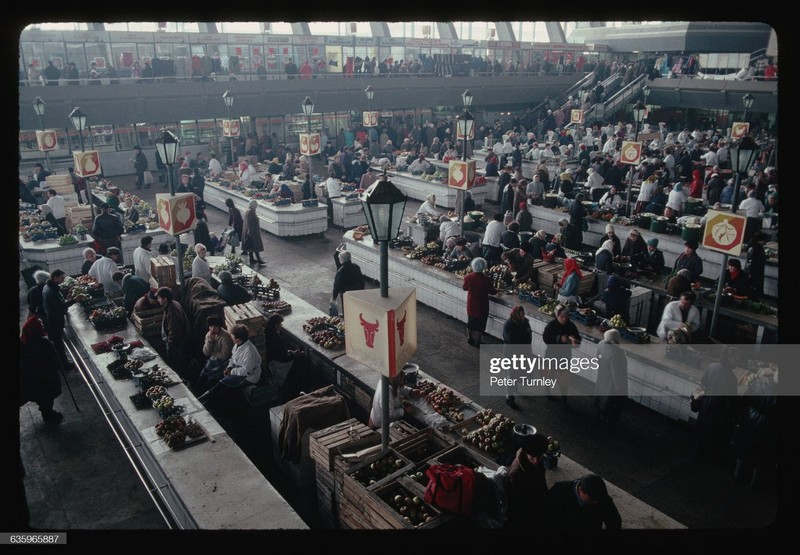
<point>576,116</point>
<point>631,152</point>
<point>740,129</point>
<point>87,163</point>
<point>371,119</point>
<point>176,213</point>
<point>47,140</point>
<point>724,232</point>
<point>230,127</point>
<point>381,332</point>
<point>310,144</point>
<point>461,174</point>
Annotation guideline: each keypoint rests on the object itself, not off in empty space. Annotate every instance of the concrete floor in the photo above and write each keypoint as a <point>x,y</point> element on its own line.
<point>77,473</point>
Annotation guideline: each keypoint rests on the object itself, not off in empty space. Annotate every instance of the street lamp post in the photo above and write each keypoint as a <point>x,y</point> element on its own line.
<point>228,98</point>
<point>370,95</point>
<point>308,109</point>
<point>747,102</point>
<point>79,122</point>
<point>38,107</point>
<point>466,128</point>
<point>383,205</point>
<point>167,144</point>
<point>646,93</point>
<point>638,115</point>
<point>743,155</point>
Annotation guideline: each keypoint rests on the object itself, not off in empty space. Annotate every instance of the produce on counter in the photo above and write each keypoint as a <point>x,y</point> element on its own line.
<point>494,433</point>
<point>277,306</point>
<point>173,430</point>
<point>445,402</point>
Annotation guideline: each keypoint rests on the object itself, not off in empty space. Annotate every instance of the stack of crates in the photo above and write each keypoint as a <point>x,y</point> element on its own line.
<point>254,321</point>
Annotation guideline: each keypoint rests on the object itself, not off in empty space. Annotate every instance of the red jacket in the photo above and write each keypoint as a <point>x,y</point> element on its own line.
<point>696,189</point>
<point>478,288</point>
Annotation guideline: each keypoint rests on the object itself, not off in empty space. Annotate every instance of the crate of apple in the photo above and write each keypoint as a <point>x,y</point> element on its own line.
<point>373,471</point>
<point>409,505</point>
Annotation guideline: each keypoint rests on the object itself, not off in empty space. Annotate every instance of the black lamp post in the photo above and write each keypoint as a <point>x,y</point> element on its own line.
<point>370,92</point>
<point>167,145</point>
<point>38,107</point>
<point>383,206</point>
<point>747,102</point>
<point>228,98</point>
<point>308,109</point>
<point>646,92</point>
<point>743,155</point>
<point>466,128</point>
<point>638,111</point>
<point>79,122</point>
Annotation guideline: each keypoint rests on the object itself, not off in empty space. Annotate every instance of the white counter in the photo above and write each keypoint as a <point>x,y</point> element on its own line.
<point>348,214</point>
<point>213,481</point>
<point>293,220</point>
<point>417,188</point>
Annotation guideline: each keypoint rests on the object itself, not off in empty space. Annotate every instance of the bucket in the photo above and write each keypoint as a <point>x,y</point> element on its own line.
<point>693,207</point>
<point>645,220</point>
<point>659,224</point>
<point>410,373</point>
<point>690,232</point>
<point>522,430</point>
<point>549,200</point>
<point>525,236</point>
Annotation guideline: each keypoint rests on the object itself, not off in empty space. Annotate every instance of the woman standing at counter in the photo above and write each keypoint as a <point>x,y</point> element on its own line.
<point>251,235</point>
<point>236,222</point>
<point>560,335</point>
<point>478,287</point>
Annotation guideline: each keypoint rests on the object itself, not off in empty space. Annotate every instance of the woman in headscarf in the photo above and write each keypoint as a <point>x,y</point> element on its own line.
<point>200,266</point>
<point>611,387</point>
<point>680,283</point>
<point>696,187</point>
<point>560,335</point>
<point>604,257</point>
<point>538,242</point>
<point>675,201</point>
<point>567,288</point>
<point>429,207</point>
<point>39,364</point>
<point>478,287</point>
<point>251,235</point>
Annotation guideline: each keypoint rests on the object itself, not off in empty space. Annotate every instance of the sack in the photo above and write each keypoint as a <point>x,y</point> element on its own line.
<point>247,244</point>
<point>450,488</point>
<point>584,225</point>
<point>696,399</point>
<point>148,178</point>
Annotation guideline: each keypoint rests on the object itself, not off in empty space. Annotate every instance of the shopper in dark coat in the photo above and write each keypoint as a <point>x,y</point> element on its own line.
<point>577,214</point>
<point>582,504</point>
<point>539,242</point>
<point>528,486</point>
<point>348,278</point>
<point>756,262</point>
<point>251,235</point>
<point>516,331</point>
<point>35,298</point>
<point>175,330</point>
<point>616,297</point>
<point>55,307</point>
<point>714,427</point>
<point>756,439</point>
<point>611,387</point>
<point>235,221</point>
<point>561,335</point>
<point>230,292</point>
<point>39,364</point>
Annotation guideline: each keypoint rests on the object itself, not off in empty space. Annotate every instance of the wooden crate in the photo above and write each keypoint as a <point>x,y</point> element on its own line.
<point>324,444</point>
<point>253,320</point>
<point>400,429</point>
<point>547,274</point>
<point>423,445</point>
<point>148,322</point>
<point>60,183</point>
<point>162,271</point>
<point>465,456</point>
<point>351,479</point>
<point>342,460</point>
<point>378,506</point>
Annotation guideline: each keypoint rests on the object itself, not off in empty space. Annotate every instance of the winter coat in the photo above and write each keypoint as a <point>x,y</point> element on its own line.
<point>252,229</point>
<point>38,365</point>
<point>612,375</point>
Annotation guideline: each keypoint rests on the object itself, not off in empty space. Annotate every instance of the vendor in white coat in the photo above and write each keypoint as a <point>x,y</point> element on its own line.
<point>398,406</point>
<point>679,313</point>
<point>429,207</point>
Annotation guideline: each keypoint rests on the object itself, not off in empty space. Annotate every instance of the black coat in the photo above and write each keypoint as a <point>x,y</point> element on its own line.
<point>538,247</point>
<point>55,306</point>
<point>527,492</point>
<point>39,364</point>
<point>348,278</point>
<point>756,261</point>
<point>233,293</point>
<point>36,301</point>
<point>604,262</point>
<point>715,417</point>
<point>756,437</point>
<point>562,510</point>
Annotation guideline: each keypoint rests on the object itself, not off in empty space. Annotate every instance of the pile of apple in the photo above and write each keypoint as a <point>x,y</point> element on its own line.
<point>419,475</point>
<point>445,402</point>
<point>412,508</point>
<point>378,470</point>
<point>494,432</point>
<point>425,387</point>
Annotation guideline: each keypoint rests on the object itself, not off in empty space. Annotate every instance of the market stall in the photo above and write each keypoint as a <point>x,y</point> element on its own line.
<point>419,187</point>
<point>283,219</point>
<point>661,385</point>
<point>193,468</point>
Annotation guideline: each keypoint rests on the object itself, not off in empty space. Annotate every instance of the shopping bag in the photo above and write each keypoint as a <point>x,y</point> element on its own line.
<point>148,178</point>
<point>333,310</point>
<point>450,488</point>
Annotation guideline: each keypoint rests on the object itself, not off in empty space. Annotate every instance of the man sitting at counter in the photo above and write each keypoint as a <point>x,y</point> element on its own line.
<point>680,315</point>
<point>653,259</point>
<point>689,260</point>
<point>634,247</point>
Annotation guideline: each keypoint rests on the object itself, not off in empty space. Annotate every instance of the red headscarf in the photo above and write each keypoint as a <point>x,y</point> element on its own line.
<point>571,266</point>
<point>31,329</point>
